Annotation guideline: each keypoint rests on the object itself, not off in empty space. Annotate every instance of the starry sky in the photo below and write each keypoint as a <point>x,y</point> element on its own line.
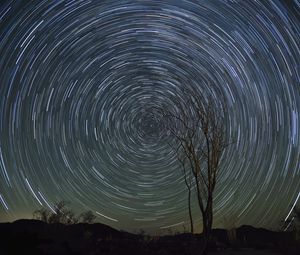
<point>78,79</point>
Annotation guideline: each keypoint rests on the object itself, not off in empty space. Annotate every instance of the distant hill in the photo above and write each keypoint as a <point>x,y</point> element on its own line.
<point>36,237</point>
<point>58,230</point>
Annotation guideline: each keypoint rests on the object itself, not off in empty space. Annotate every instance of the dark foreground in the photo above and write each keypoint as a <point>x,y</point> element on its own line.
<point>36,237</point>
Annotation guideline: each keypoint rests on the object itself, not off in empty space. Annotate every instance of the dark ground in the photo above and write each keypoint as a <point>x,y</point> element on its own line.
<point>36,237</point>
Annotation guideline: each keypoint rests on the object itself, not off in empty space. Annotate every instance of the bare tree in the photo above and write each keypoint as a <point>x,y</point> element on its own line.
<point>198,127</point>
<point>61,214</point>
<point>87,217</point>
<point>42,214</point>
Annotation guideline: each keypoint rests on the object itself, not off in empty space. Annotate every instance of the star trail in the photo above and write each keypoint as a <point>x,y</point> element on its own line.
<point>79,80</point>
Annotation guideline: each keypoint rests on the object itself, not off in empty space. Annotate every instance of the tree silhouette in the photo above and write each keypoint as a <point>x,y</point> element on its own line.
<point>42,214</point>
<point>198,127</point>
<point>87,217</point>
<point>62,214</point>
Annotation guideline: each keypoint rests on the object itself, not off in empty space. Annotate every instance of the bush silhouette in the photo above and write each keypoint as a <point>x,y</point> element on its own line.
<point>62,214</point>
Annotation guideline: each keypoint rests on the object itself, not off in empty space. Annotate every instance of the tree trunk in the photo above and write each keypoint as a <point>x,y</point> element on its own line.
<point>207,220</point>
<point>190,212</point>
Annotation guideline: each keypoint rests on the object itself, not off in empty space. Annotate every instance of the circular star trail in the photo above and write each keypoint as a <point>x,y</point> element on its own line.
<point>79,80</point>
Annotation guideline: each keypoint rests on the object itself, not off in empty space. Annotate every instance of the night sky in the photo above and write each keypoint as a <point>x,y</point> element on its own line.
<point>78,82</point>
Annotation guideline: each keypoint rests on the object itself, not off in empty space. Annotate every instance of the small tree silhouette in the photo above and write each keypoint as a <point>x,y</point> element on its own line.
<point>42,214</point>
<point>62,214</point>
<point>87,217</point>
